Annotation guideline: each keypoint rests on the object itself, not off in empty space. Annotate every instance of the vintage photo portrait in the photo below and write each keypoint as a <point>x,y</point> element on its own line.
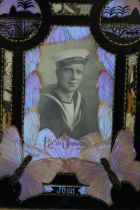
<point>69,98</point>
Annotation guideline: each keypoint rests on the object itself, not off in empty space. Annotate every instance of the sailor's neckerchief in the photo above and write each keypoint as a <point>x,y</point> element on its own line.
<point>77,110</point>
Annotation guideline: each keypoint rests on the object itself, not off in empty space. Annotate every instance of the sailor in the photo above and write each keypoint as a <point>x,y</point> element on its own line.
<point>62,108</point>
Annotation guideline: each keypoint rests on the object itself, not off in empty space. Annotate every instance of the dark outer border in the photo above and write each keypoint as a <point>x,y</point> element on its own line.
<point>119,93</point>
<point>137,119</point>
<point>18,89</point>
<point>1,88</point>
<point>72,1</point>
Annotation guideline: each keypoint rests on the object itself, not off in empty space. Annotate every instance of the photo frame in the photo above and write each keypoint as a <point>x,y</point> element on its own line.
<point>65,29</point>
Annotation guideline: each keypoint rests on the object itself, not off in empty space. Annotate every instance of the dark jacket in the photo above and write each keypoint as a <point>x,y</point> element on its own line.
<point>53,117</point>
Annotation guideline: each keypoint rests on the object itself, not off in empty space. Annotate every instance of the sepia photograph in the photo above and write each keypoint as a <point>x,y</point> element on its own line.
<point>69,98</point>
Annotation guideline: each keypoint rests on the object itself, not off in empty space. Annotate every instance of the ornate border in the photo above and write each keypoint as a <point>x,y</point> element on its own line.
<point>120,73</point>
<point>30,43</point>
<point>1,88</point>
<point>137,119</point>
<point>99,36</point>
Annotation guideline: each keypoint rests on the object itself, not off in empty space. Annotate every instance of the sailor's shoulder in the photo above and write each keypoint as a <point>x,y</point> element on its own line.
<point>46,97</point>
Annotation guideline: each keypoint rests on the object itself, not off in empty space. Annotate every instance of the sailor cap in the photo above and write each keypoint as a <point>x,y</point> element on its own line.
<point>71,56</point>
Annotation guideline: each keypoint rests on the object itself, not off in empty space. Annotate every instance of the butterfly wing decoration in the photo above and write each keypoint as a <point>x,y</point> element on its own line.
<point>65,148</point>
<point>96,149</point>
<point>58,35</point>
<point>122,159</point>
<point>88,168</point>
<point>93,169</point>
<point>10,151</point>
<point>32,91</point>
<point>105,119</point>
<point>36,173</point>
<point>10,146</point>
<point>64,34</point>
<point>46,138</point>
<point>36,153</point>
<point>105,85</point>
<point>91,139</point>
<point>94,176</point>
<point>92,172</point>
<point>31,127</point>
<point>31,60</point>
<point>78,33</point>
<point>32,135</point>
<point>107,59</point>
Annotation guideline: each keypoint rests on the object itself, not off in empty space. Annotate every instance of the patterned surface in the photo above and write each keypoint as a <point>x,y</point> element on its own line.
<point>71,9</point>
<point>7,87</point>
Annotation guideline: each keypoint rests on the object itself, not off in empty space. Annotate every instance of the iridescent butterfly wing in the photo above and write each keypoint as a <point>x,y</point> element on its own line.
<point>63,34</point>
<point>37,173</point>
<point>105,87</point>
<point>105,119</point>
<point>94,176</point>
<point>107,59</point>
<point>122,159</point>
<point>32,91</point>
<point>58,35</point>
<point>10,151</point>
<point>78,33</point>
<point>31,127</point>
<point>45,139</point>
<point>120,163</point>
<point>89,169</point>
<point>97,149</point>
<point>31,61</point>
<point>65,148</point>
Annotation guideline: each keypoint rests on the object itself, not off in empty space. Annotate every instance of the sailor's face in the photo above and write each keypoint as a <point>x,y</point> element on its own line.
<point>69,78</point>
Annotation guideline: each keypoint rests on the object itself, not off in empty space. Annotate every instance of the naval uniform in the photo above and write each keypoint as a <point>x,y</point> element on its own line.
<point>62,117</point>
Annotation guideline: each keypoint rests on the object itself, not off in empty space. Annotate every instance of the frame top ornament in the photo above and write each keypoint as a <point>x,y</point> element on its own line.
<point>117,25</point>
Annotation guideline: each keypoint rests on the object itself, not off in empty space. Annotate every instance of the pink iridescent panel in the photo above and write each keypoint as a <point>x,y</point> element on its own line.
<point>107,59</point>
<point>105,87</point>
<point>31,60</point>
<point>64,34</point>
<point>32,91</point>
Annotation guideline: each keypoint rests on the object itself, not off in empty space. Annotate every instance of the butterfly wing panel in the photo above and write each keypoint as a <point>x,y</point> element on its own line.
<point>94,175</point>
<point>130,173</point>
<point>96,151</point>
<point>123,151</point>
<point>30,186</point>
<point>7,166</point>
<point>10,147</point>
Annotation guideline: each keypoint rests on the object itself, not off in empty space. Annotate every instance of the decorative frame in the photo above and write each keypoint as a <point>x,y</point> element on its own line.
<point>120,97</point>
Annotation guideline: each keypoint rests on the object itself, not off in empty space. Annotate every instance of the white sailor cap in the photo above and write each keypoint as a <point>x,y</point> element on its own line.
<point>71,56</point>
